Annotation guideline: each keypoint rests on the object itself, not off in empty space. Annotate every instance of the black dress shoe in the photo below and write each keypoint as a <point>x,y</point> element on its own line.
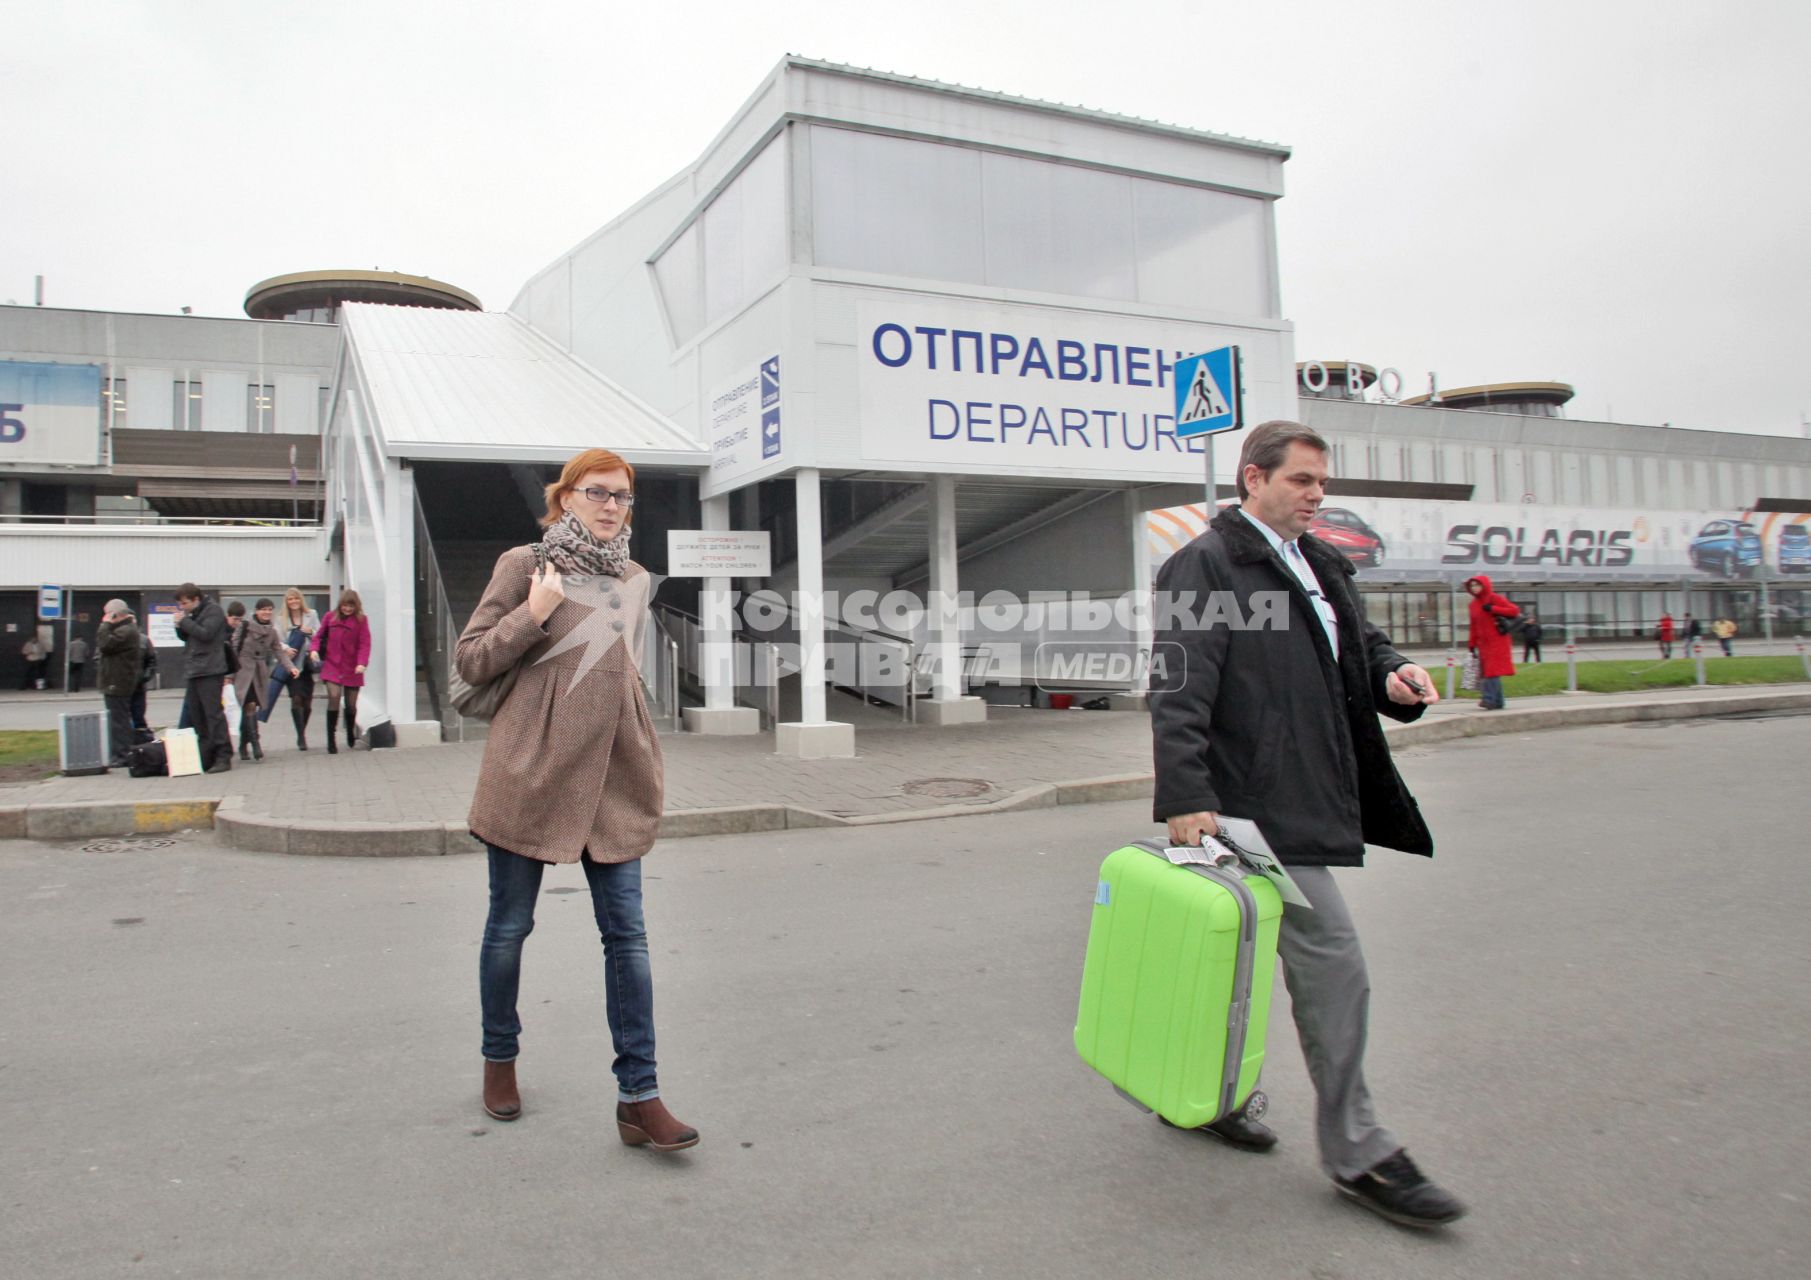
<point>1235,1130</point>
<point>1399,1191</point>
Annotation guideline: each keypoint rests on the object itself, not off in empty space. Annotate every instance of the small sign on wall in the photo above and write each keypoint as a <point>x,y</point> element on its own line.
<point>699,553</point>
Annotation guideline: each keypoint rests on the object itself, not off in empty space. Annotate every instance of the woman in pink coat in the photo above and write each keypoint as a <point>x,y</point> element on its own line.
<point>344,645</point>
<point>1495,657</point>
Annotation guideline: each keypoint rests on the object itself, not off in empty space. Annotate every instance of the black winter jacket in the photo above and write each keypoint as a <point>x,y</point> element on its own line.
<point>203,633</point>
<point>1262,723</point>
<point>119,646</point>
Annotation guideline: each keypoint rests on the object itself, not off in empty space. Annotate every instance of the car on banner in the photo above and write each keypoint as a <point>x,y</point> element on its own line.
<point>1344,529</point>
<point>1731,548</point>
<point>1793,552</point>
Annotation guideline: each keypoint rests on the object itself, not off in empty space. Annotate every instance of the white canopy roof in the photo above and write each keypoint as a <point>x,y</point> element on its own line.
<point>482,386</point>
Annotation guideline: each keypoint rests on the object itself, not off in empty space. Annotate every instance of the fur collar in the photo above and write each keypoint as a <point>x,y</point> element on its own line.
<point>1247,546</point>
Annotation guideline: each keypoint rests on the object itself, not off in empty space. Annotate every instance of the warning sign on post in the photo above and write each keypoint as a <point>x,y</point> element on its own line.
<point>699,553</point>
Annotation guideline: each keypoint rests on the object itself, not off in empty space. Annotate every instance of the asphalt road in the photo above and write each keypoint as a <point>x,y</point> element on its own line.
<point>1590,1020</point>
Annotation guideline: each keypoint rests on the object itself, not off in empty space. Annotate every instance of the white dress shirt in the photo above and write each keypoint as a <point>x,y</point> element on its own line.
<point>1298,564</point>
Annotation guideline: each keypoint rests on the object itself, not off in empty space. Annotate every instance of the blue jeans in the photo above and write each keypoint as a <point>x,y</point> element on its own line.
<point>515,883</point>
<point>1490,691</point>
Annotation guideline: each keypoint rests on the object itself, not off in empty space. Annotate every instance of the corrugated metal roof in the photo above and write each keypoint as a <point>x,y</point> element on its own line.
<point>483,386</point>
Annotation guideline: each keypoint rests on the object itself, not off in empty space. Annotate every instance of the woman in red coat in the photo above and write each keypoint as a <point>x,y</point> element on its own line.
<point>1495,658</point>
<point>344,643</point>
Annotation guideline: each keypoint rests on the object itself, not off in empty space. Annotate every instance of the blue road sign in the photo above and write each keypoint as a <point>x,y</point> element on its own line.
<point>50,604</point>
<point>1209,398</point>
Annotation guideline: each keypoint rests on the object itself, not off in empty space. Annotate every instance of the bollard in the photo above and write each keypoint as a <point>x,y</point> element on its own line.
<point>1571,667</point>
<point>1803,657</point>
<point>1698,657</point>
<point>1452,674</point>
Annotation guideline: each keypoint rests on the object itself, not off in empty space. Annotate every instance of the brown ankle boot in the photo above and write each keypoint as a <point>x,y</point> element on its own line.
<point>500,1096</point>
<point>649,1123</point>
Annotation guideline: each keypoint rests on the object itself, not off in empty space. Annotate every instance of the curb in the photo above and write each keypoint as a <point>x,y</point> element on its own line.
<point>1482,724</point>
<point>84,819</point>
<point>262,834</point>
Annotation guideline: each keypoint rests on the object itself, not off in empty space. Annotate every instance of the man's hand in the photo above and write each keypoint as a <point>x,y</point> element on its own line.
<point>1188,828</point>
<point>1409,685</point>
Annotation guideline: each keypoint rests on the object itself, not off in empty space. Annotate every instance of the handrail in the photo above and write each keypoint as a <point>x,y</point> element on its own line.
<point>153,522</point>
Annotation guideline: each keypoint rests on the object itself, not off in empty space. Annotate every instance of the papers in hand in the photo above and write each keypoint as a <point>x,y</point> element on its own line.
<point>1240,840</point>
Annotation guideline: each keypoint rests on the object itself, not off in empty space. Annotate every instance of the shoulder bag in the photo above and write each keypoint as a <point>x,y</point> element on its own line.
<point>483,701</point>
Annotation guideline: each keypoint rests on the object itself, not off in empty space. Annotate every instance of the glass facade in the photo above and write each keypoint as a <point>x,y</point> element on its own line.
<point>899,206</point>
<point>733,252</point>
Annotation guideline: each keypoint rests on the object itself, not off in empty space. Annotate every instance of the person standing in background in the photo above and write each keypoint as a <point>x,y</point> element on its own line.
<point>344,643</point>
<point>255,644</point>
<point>1664,634</point>
<point>295,664</point>
<point>1531,638</point>
<point>202,626</point>
<point>147,672</point>
<point>120,645</point>
<point>78,662</point>
<point>35,656</point>
<point>1724,629</point>
<point>1490,614</point>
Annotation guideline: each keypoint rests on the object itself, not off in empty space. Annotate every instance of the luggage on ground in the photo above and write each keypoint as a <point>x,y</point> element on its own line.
<point>147,760</point>
<point>1176,986</point>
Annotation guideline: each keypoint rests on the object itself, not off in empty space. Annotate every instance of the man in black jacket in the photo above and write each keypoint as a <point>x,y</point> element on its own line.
<point>202,627</point>
<point>1275,719</point>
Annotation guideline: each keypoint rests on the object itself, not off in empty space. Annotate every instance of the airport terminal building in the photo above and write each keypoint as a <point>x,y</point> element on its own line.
<point>922,338</point>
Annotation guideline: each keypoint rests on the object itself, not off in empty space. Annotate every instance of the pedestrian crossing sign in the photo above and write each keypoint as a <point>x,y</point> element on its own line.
<point>1208,398</point>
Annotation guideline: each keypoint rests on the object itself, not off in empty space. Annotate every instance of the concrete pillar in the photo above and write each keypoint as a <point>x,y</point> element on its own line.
<point>947,705</point>
<point>716,646</point>
<point>1143,629</point>
<point>811,736</point>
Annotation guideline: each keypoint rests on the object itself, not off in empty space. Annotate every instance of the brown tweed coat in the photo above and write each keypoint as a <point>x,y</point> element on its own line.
<point>572,763</point>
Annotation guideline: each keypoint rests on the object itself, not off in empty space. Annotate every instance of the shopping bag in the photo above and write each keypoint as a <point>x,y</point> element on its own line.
<point>1468,674</point>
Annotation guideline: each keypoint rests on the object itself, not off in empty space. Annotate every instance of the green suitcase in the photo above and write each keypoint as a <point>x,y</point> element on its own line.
<point>1176,986</point>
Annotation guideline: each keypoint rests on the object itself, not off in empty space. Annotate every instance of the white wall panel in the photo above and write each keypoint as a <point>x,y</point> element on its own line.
<point>298,404</point>
<point>223,393</point>
<point>161,556</point>
<point>148,398</point>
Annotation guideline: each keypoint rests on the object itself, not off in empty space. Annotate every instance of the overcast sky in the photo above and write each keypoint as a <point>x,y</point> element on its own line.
<point>1600,192</point>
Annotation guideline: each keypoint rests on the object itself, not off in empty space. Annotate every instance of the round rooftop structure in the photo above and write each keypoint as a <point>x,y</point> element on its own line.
<point>317,295</point>
<point>1533,399</point>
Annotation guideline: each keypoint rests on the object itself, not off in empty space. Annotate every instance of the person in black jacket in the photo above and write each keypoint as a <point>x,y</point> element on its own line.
<point>1532,632</point>
<point>202,627</point>
<point>119,643</point>
<point>1274,718</point>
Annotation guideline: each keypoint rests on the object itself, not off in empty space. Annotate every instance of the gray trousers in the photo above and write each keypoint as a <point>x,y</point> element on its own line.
<point>1330,993</point>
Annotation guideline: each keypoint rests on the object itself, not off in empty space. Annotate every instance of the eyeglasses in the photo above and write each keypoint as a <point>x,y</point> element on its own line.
<point>624,498</point>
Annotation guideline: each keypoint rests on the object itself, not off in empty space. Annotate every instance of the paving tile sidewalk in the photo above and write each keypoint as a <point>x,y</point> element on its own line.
<point>897,770</point>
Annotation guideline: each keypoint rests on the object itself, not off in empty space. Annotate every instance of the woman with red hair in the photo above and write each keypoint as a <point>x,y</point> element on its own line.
<point>572,772</point>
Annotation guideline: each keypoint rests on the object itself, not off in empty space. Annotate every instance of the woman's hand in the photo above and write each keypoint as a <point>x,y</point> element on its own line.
<point>360,669</point>
<point>545,591</point>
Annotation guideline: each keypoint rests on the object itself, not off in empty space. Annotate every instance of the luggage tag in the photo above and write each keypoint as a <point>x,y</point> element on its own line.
<point>1200,855</point>
<point>1241,835</point>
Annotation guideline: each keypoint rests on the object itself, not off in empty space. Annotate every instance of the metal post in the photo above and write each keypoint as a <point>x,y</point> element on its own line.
<point>1803,657</point>
<point>1571,664</point>
<point>1213,496</point>
<point>1452,674</point>
<point>1698,657</point>
<point>1766,607</point>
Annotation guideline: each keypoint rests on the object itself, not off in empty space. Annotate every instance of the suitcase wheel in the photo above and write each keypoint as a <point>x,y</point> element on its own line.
<point>1256,1105</point>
